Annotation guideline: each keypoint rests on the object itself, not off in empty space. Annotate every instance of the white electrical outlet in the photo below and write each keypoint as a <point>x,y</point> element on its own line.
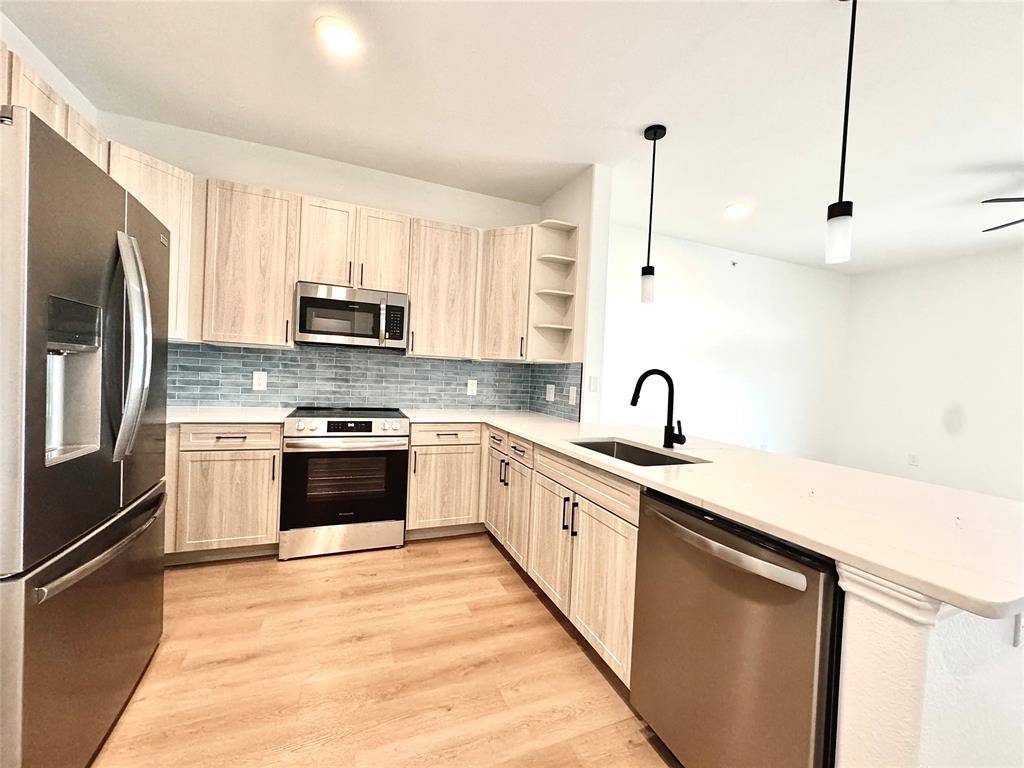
<point>593,382</point>
<point>470,386</point>
<point>549,393</point>
<point>572,395</point>
<point>259,381</point>
<point>913,460</point>
<point>1018,630</point>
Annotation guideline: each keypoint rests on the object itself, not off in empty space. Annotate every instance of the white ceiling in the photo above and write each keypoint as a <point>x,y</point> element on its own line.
<point>513,99</point>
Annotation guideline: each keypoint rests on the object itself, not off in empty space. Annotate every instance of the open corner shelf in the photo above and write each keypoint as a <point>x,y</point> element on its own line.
<point>554,258</point>
<point>553,327</point>
<point>563,226</point>
<point>554,292</point>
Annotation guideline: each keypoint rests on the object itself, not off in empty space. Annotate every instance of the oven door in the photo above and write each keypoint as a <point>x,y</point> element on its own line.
<point>329,314</point>
<point>341,481</point>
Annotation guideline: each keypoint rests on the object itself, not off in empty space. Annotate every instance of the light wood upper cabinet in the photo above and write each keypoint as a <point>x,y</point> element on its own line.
<point>603,581</point>
<point>550,547</point>
<point>86,138</point>
<point>327,242</point>
<point>167,191</point>
<point>383,250</point>
<point>495,512</point>
<point>29,90</point>
<point>251,255</point>
<point>520,491</point>
<point>444,485</point>
<point>5,73</point>
<point>227,499</point>
<point>442,289</point>
<point>505,293</point>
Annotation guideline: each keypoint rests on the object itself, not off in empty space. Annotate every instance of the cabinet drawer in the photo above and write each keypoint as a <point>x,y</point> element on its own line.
<point>619,496</point>
<point>521,450</point>
<point>445,434</point>
<point>496,439</point>
<point>229,437</point>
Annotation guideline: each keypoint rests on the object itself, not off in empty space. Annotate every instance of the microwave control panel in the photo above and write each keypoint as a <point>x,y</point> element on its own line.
<point>394,323</point>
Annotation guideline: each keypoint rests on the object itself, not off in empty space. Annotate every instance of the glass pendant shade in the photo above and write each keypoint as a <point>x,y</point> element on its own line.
<point>839,233</point>
<point>646,284</point>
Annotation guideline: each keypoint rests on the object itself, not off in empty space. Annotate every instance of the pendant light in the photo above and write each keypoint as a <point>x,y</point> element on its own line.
<point>839,233</point>
<point>652,133</point>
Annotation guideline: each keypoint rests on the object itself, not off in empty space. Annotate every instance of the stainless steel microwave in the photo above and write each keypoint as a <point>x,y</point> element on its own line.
<point>331,314</point>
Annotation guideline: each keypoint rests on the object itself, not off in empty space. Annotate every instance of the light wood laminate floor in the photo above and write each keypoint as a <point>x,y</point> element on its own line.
<point>437,654</point>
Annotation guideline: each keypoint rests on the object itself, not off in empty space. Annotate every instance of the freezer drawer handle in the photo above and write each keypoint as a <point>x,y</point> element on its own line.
<point>140,320</point>
<point>69,579</point>
<point>741,560</point>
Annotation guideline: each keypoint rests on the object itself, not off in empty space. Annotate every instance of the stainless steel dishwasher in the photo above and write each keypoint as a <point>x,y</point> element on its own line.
<point>735,642</point>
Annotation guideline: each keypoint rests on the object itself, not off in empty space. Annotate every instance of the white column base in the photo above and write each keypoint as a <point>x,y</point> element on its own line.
<point>882,671</point>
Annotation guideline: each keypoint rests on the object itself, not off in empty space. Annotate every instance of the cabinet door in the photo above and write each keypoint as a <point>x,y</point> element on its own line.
<point>5,72</point>
<point>227,499</point>
<point>171,488</point>
<point>442,289</point>
<point>166,191</point>
<point>496,507</point>
<point>603,580</point>
<point>327,242</point>
<point>86,139</point>
<point>550,547</point>
<point>444,486</point>
<point>29,90</point>
<point>383,248</point>
<point>504,293</point>
<point>520,492</point>
<point>251,249</point>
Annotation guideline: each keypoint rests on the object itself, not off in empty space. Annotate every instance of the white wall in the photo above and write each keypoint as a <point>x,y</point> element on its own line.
<point>38,62</point>
<point>755,348</point>
<point>586,201</point>
<point>207,154</point>
<point>935,368</point>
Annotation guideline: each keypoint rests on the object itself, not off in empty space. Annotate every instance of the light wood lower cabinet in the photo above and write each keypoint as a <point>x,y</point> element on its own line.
<point>227,499</point>
<point>519,490</point>
<point>495,511</point>
<point>603,581</point>
<point>444,486</point>
<point>550,547</point>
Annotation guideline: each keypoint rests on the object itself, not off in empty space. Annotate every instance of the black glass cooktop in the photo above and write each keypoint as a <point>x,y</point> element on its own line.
<point>346,413</point>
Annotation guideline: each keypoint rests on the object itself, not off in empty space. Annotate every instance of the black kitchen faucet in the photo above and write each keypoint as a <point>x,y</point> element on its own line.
<point>673,435</point>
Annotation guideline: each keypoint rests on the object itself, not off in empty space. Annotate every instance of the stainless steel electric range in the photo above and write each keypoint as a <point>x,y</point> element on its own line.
<point>344,480</point>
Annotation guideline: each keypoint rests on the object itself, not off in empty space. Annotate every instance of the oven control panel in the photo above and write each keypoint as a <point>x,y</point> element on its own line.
<point>319,427</point>
<point>350,426</point>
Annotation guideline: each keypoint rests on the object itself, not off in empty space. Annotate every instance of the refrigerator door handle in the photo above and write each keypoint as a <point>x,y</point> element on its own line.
<point>140,319</point>
<point>741,560</point>
<point>69,579</point>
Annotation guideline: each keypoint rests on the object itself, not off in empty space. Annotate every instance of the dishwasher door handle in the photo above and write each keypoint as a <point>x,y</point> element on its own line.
<point>741,560</point>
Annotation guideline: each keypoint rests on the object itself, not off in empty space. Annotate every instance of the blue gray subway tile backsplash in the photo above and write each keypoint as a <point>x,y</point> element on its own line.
<point>205,374</point>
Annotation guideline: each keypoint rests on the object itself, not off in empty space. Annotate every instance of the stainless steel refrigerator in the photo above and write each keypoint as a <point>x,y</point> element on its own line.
<point>83,361</point>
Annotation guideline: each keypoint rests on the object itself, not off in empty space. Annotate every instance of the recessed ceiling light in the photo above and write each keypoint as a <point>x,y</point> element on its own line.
<point>338,36</point>
<point>738,210</point>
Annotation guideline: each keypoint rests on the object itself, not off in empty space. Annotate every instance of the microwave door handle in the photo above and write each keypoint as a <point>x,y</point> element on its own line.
<point>383,317</point>
<point>140,323</point>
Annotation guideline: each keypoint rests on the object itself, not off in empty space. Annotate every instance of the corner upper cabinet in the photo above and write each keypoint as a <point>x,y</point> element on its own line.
<point>382,245</point>
<point>251,257</point>
<point>168,193</point>
<point>505,293</point>
<point>442,289</point>
<point>86,138</point>
<point>327,242</point>
<point>29,90</point>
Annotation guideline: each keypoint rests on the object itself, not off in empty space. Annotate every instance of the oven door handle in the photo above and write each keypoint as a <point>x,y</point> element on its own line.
<point>307,445</point>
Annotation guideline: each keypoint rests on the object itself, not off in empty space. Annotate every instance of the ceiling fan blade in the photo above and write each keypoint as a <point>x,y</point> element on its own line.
<point>1004,200</point>
<point>1003,226</point>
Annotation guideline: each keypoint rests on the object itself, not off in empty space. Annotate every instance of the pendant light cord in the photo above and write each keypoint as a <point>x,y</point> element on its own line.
<point>846,110</point>
<point>650,214</point>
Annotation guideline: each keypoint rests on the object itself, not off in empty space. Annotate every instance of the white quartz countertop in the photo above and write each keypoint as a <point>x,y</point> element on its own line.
<point>963,548</point>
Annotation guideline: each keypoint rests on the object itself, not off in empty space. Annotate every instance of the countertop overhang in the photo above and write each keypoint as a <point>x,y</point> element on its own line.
<point>962,548</point>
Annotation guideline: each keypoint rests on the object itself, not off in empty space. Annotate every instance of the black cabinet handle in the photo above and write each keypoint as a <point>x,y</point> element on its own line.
<point>565,506</point>
<point>412,341</point>
<point>350,272</point>
<point>522,340</point>
<point>414,462</point>
<point>572,519</point>
<point>501,471</point>
<point>273,467</point>
<point>361,273</point>
<point>286,331</point>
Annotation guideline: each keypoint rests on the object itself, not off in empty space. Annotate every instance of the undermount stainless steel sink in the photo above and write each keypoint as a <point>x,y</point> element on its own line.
<point>636,454</point>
